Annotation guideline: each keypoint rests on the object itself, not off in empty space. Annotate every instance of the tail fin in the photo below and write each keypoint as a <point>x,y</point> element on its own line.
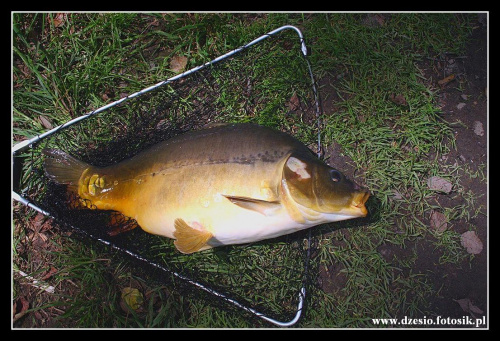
<point>63,168</point>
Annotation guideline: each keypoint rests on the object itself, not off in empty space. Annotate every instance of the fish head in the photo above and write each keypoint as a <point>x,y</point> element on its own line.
<point>318,187</point>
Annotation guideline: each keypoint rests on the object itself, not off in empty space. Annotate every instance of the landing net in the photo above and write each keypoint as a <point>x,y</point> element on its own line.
<point>269,82</point>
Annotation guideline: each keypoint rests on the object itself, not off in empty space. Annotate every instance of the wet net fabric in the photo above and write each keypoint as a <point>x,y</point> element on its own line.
<point>267,83</point>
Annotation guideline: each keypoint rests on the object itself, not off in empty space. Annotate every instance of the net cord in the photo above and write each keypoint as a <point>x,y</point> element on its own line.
<point>302,294</point>
<point>24,144</point>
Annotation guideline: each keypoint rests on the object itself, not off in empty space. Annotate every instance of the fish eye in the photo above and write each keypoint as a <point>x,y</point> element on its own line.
<point>335,175</point>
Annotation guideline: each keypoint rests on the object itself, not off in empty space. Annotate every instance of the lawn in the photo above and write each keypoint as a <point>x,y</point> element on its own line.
<point>383,124</point>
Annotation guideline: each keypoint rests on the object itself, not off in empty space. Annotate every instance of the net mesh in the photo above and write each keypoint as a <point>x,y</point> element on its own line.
<point>267,83</point>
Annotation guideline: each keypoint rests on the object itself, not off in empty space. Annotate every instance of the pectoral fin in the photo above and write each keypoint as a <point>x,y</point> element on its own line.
<point>190,239</point>
<point>263,207</point>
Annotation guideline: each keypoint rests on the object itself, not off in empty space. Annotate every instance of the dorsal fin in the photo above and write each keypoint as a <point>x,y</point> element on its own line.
<point>214,125</point>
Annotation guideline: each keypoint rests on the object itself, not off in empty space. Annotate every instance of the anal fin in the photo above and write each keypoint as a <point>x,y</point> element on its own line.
<point>190,239</point>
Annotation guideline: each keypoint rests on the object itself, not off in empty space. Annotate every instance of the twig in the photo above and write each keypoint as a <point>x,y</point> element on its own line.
<point>36,283</point>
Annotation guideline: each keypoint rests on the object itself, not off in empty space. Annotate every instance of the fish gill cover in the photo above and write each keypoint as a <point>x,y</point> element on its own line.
<point>267,83</point>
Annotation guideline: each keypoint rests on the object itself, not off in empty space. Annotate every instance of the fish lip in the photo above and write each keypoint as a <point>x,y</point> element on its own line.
<point>362,198</point>
<point>358,203</point>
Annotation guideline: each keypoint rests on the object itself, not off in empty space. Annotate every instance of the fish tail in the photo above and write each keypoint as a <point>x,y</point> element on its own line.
<point>63,168</point>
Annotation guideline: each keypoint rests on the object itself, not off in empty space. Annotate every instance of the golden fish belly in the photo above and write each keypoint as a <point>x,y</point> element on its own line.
<point>228,223</point>
<point>198,194</point>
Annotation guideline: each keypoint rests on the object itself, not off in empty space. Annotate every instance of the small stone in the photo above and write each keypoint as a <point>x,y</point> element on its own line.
<point>178,63</point>
<point>460,106</point>
<point>396,195</point>
<point>386,251</point>
<point>438,221</point>
<point>464,97</point>
<point>478,128</point>
<point>439,184</point>
<point>471,242</point>
<point>374,20</point>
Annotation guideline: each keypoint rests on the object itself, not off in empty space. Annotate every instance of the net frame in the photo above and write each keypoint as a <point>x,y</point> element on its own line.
<point>24,145</point>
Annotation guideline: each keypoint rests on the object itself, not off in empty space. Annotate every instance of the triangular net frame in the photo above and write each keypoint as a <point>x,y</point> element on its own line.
<point>268,81</point>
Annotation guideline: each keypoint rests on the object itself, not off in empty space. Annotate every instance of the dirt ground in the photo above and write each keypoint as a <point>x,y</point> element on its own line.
<point>452,282</point>
<point>466,281</point>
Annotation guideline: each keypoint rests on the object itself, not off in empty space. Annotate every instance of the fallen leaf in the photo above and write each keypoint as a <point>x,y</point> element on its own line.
<point>155,23</point>
<point>60,19</point>
<point>20,308</point>
<point>380,19</point>
<point>178,63</point>
<point>49,273</point>
<point>475,309</point>
<point>374,20</point>
<point>468,307</point>
<point>132,297</point>
<point>398,99</point>
<point>37,222</point>
<point>23,68</point>
<point>47,225</point>
<point>396,195</point>
<point>464,304</point>
<point>438,221</point>
<point>45,122</point>
<point>439,184</point>
<point>446,80</point>
<point>294,102</point>
<point>471,242</point>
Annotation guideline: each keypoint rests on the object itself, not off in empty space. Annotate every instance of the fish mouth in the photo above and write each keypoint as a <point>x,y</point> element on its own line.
<point>358,203</point>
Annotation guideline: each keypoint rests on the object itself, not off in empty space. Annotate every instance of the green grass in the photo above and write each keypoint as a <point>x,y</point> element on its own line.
<point>62,72</point>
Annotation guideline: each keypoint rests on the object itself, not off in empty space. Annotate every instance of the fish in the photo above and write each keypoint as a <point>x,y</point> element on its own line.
<point>225,184</point>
